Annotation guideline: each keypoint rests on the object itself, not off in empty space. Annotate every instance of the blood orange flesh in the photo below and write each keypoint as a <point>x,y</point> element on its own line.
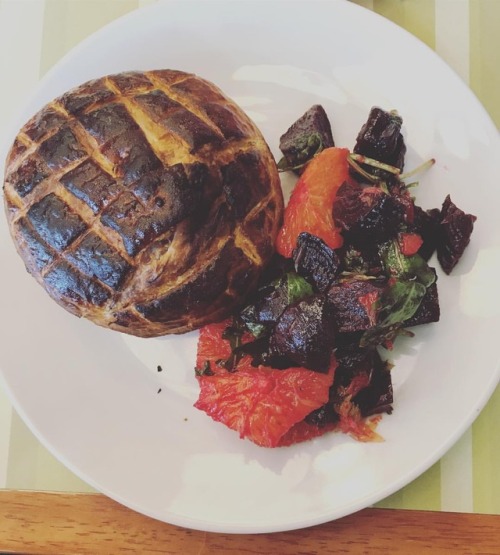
<point>311,203</point>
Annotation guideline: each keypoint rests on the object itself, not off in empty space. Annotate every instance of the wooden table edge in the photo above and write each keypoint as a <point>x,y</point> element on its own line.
<point>33,522</point>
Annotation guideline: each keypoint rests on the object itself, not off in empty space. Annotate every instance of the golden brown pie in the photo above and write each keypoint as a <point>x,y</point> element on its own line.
<point>147,202</point>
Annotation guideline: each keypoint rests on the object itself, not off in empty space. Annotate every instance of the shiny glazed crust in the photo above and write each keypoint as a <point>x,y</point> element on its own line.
<point>147,202</point>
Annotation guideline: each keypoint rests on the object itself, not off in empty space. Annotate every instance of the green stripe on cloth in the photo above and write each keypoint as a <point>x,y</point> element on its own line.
<point>486,454</point>
<point>485,82</point>
<point>68,23</point>
<point>31,466</point>
<point>424,493</point>
<point>484,48</point>
<point>416,16</point>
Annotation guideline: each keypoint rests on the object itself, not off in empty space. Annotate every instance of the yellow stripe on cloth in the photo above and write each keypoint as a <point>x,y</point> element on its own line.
<point>424,493</point>
<point>31,466</point>
<point>68,23</point>
<point>486,454</point>
<point>484,48</point>
<point>416,16</point>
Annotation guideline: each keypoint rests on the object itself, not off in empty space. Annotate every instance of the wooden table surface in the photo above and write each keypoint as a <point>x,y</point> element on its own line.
<point>57,523</point>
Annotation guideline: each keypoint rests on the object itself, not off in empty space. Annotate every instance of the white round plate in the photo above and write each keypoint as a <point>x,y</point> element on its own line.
<point>91,395</point>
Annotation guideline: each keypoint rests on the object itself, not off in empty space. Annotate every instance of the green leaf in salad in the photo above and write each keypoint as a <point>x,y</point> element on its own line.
<point>297,287</point>
<point>307,148</point>
<point>414,267</point>
<point>256,329</point>
<point>398,303</point>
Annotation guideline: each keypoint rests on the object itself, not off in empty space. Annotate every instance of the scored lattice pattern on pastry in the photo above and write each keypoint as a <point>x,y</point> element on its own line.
<point>147,202</point>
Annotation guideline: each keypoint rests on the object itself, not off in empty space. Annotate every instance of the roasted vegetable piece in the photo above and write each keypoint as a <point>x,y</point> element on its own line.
<point>315,261</point>
<point>380,138</point>
<point>426,224</point>
<point>366,214</point>
<point>363,375</point>
<point>354,305</point>
<point>377,396</point>
<point>357,260</point>
<point>361,378</point>
<point>260,354</point>
<point>266,309</point>
<point>271,300</point>
<point>304,334</point>
<point>310,134</point>
<point>353,202</point>
<point>428,310</point>
<point>454,234</point>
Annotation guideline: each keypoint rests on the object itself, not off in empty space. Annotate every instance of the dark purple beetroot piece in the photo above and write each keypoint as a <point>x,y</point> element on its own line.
<point>315,261</point>
<point>454,234</point>
<point>377,397</point>
<point>354,305</point>
<point>310,134</point>
<point>353,202</point>
<point>426,224</point>
<point>360,260</point>
<point>260,353</point>
<point>380,138</point>
<point>269,303</point>
<point>428,311</point>
<point>304,334</point>
<point>364,366</point>
<point>363,372</point>
<point>367,214</point>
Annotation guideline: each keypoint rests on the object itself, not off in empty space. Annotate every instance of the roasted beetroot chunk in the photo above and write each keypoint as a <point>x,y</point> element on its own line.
<point>380,138</point>
<point>367,215</point>
<point>310,134</point>
<point>304,334</point>
<point>377,396</point>
<point>455,230</point>
<point>315,261</point>
<point>267,307</point>
<point>354,305</point>
<point>426,224</point>
<point>353,202</point>
<point>428,311</point>
<point>360,259</point>
<point>261,354</point>
<point>364,375</point>
<point>269,302</point>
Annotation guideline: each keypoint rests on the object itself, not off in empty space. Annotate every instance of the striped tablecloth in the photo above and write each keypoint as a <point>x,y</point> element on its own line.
<point>34,34</point>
